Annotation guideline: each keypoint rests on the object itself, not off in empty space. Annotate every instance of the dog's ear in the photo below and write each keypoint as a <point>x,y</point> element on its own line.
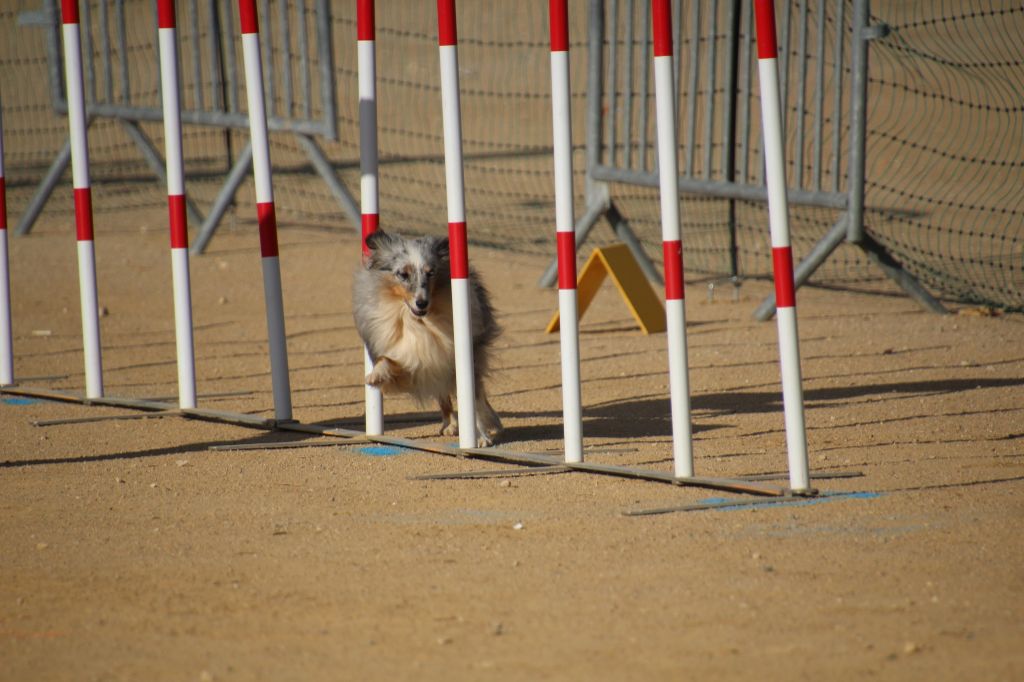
<point>378,239</point>
<point>441,249</point>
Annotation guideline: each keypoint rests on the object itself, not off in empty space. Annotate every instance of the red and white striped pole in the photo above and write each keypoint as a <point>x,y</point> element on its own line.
<point>782,255</point>
<point>83,200</point>
<point>675,309</point>
<point>6,332</point>
<point>561,124</point>
<point>266,216</point>
<point>167,34</point>
<point>447,40</point>
<point>368,164</point>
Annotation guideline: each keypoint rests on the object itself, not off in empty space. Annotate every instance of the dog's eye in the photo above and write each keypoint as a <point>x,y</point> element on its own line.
<point>402,275</point>
<point>429,274</point>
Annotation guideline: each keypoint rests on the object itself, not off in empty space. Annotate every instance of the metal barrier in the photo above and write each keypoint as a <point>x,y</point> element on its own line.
<point>823,79</point>
<point>298,66</point>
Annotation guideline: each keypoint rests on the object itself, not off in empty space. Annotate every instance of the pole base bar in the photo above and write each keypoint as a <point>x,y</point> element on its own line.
<point>491,454</point>
<point>542,470</point>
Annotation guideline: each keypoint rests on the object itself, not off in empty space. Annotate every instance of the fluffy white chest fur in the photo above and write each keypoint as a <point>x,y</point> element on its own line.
<point>423,346</point>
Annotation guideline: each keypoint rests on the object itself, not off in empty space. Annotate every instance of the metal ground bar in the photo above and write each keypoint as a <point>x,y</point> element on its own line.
<point>495,473</point>
<point>492,454</point>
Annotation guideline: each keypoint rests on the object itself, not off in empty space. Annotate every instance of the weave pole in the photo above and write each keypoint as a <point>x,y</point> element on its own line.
<point>782,254</point>
<point>672,247</point>
<point>178,222</point>
<point>561,125</point>
<point>266,216</point>
<point>368,181</point>
<point>447,41</point>
<point>6,331</point>
<point>83,200</point>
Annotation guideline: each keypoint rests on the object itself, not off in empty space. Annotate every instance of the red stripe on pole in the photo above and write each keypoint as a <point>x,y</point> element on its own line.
<point>69,11</point>
<point>566,260</point>
<point>446,32</point>
<point>248,17</point>
<point>767,48</point>
<point>366,28</point>
<point>165,14</point>
<point>458,255</point>
<point>782,261</point>
<point>370,223</point>
<point>83,214</point>
<point>559,11</point>
<point>3,203</point>
<point>661,19</point>
<point>673,255</point>
<point>178,221</point>
<point>268,229</point>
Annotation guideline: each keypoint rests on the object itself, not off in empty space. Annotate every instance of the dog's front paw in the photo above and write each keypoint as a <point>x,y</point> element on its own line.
<point>484,440</point>
<point>451,429</point>
<point>385,371</point>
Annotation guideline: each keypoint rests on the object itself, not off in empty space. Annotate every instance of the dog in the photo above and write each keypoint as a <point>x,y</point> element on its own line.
<point>402,306</point>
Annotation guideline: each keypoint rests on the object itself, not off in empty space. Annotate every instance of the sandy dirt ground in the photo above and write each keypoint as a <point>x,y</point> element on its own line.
<point>131,550</point>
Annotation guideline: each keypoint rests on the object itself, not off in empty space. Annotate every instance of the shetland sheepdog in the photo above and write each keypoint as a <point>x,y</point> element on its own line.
<point>402,305</point>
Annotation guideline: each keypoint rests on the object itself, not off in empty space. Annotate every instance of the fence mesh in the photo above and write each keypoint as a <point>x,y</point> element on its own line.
<point>945,138</point>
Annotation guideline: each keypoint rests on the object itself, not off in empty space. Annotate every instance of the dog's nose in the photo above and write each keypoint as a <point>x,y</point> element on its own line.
<point>421,304</point>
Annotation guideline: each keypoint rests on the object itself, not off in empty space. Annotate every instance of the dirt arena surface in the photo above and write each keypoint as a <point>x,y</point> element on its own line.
<point>131,550</point>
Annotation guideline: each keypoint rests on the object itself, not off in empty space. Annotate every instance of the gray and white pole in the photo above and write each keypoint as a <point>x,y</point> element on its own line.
<point>266,214</point>
<point>368,183</point>
<point>6,331</point>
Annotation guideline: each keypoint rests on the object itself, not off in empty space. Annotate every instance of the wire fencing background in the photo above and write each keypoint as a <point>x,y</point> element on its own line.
<point>945,133</point>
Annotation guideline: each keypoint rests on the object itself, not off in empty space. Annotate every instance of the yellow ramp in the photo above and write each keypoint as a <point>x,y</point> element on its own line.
<point>617,262</point>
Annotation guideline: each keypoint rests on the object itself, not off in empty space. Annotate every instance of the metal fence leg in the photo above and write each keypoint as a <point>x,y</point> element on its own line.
<point>821,251</point>
<point>45,189</point>
<point>224,198</point>
<point>157,164</point>
<point>881,257</point>
<point>626,235</point>
<point>341,193</point>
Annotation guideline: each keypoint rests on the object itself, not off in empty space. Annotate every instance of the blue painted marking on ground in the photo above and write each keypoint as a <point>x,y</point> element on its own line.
<point>803,502</point>
<point>382,450</point>
<point>20,401</point>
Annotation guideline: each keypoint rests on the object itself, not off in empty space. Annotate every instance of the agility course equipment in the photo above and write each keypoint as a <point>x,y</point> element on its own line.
<point>782,254</point>
<point>266,214</point>
<point>526,459</point>
<point>616,262</point>
<point>83,201</point>
<point>6,332</point>
<point>176,206</point>
<point>369,175</point>
<point>448,42</point>
<point>675,308</point>
<point>565,235</point>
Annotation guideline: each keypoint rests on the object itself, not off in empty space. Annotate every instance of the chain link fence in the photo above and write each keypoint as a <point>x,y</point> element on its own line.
<point>945,133</point>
